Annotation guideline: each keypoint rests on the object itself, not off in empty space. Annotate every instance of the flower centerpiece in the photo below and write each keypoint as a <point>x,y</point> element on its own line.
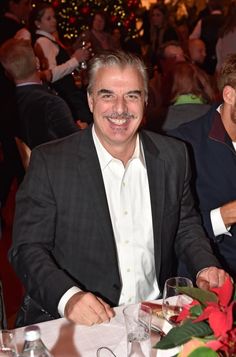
<point>207,326</point>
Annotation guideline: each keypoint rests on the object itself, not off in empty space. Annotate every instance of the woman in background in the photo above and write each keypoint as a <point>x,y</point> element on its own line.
<point>96,35</point>
<point>53,56</point>
<point>191,95</point>
<point>160,31</point>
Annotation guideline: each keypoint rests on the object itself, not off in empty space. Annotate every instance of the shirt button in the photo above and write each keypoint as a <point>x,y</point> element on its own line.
<point>127,242</point>
<point>125,212</point>
<point>129,300</point>
<point>123,183</point>
<point>128,270</point>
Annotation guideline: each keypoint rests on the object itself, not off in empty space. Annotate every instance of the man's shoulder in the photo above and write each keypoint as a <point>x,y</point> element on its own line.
<point>163,144</point>
<point>194,127</point>
<point>37,93</point>
<point>77,142</point>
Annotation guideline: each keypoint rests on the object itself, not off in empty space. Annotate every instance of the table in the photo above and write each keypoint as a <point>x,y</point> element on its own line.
<point>65,339</point>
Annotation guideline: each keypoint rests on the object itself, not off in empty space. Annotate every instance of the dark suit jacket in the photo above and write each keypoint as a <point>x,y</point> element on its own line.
<point>42,116</point>
<point>214,163</point>
<point>63,234</point>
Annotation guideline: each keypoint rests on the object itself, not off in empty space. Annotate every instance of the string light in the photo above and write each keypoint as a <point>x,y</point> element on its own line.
<point>74,15</point>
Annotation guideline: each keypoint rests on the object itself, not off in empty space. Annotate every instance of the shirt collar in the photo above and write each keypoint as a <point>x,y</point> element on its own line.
<point>217,130</point>
<point>28,84</point>
<point>46,34</point>
<point>105,157</point>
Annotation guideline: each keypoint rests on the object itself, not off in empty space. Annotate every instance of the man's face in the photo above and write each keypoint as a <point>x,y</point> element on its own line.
<point>21,9</point>
<point>174,52</point>
<point>117,102</point>
<point>198,51</point>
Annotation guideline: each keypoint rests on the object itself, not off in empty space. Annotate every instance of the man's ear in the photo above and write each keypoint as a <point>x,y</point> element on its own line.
<point>229,95</point>
<point>90,102</point>
<point>37,24</point>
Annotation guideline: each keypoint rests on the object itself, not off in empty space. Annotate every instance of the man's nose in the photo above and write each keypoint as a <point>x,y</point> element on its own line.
<point>120,105</point>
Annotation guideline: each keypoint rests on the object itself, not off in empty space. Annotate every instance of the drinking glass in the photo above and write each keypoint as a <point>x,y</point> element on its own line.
<point>173,300</point>
<point>7,344</point>
<point>138,328</point>
<point>83,43</point>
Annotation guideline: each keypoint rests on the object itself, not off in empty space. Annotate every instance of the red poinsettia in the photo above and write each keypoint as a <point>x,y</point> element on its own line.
<point>220,314</point>
<point>210,317</point>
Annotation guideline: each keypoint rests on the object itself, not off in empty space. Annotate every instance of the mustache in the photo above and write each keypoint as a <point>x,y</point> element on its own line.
<point>123,115</point>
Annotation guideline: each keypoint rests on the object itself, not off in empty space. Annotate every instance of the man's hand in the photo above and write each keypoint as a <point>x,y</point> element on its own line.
<point>87,309</point>
<point>211,277</point>
<point>228,213</point>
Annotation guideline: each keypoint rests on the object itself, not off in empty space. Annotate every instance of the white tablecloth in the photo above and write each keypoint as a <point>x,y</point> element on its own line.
<point>65,339</point>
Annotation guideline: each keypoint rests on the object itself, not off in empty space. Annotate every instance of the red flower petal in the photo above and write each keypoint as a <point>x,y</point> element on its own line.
<point>206,313</point>
<point>185,313</point>
<point>225,292</point>
<point>218,323</point>
<point>214,345</point>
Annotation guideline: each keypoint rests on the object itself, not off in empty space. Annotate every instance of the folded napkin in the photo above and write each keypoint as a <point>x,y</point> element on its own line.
<point>160,323</point>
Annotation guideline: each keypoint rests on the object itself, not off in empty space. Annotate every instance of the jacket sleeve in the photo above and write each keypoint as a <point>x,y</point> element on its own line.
<point>33,238</point>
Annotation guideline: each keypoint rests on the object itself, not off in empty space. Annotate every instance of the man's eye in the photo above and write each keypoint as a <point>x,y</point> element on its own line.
<point>132,97</point>
<point>107,96</point>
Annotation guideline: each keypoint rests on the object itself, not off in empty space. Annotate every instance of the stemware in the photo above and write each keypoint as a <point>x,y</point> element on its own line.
<point>173,300</point>
<point>7,344</point>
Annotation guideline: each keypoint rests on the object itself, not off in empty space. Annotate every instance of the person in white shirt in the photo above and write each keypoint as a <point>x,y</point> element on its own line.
<point>102,216</point>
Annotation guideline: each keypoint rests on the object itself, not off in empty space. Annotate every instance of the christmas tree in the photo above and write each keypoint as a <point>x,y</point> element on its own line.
<point>74,16</point>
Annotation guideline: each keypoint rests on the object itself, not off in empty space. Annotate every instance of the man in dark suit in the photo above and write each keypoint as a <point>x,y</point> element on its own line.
<point>212,140</point>
<point>41,115</point>
<point>102,215</point>
<point>12,15</point>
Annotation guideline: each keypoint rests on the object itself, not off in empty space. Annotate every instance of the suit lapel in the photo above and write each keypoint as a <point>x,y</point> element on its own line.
<point>156,178</point>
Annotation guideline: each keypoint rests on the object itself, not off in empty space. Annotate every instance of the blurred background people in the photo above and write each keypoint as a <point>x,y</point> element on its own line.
<point>207,29</point>
<point>197,51</point>
<point>14,12</point>
<point>226,43</point>
<point>160,84</point>
<point>54,57</point>
<point>160,31</point>
<point>191,95</point>
<point>97,35</point>
<point>41,115</point>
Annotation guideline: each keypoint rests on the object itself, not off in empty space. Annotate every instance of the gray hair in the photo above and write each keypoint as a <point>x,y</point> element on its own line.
<point>116,58</point>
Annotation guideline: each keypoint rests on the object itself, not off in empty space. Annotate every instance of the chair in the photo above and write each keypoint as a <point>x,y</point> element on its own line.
<point>24,152</point>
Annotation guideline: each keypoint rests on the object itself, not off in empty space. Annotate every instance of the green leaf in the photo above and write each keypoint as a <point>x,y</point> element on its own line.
<point>182,334</point>
<point>203,351</point>
<point>196,310</point>
<point>200,295</point>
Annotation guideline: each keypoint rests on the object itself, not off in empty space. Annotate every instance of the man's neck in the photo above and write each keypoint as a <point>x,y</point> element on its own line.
<point>32,79</point>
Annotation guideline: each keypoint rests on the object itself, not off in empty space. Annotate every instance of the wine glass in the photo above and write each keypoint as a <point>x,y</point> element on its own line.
<point>173,300</point>
<point>83,43</point>
<point>7,344</point>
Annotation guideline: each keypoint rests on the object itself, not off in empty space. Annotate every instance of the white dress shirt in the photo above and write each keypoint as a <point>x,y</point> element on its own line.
<point>50,50</point>
<point>128,196</point>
